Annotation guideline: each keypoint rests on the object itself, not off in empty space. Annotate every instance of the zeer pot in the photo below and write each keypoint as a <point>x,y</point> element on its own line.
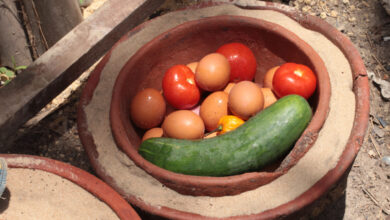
<point>100,148</point>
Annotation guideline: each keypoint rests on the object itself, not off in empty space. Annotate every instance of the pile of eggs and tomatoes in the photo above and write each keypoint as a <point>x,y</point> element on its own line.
<point>215,95</point>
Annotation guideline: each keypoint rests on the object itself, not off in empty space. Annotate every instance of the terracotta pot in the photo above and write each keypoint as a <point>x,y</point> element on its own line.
<point>272,45</point>
<point>85,180</point>
<point>102,149</point>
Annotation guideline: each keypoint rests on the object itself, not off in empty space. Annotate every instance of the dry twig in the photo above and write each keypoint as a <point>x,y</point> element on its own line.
<point>372,197</point>
<point>376,145</point>
<point>39,26</point>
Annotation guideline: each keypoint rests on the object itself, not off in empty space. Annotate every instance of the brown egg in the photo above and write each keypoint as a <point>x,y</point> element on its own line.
<point>192,66</point>
<point>213,108</point>
<point>154,132</point>
<point>267,82</point>
<point>245,99</point>
<point>269,97</point>
<point>147,109</point>
<point>229,87</point>
<point>183,124</point>
<point>212,72</point>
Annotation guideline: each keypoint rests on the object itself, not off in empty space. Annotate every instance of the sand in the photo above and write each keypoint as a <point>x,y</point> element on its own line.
<point>36,194</point>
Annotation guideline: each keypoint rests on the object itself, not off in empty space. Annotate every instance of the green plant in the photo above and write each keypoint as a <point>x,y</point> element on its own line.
<point>8,73</point>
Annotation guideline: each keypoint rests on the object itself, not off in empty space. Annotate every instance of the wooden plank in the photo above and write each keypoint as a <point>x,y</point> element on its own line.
<point>52,72</point>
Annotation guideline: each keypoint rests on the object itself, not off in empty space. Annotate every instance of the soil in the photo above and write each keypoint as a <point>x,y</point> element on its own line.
<point>363,194</point>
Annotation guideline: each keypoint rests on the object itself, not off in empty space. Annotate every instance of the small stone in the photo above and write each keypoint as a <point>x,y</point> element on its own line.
<point>352,19</point>
<point>352,7</point>
<point>300,1</point>
<point>333,13</point>
<point>381,120</point>
<point>346,2</point>
<point>323,15</point>
<point>307,2</point>
<point>350,34</point>
<point>378,131</point>
<point>386,160</point>
<point>306,8</point>
<point>371,153</point>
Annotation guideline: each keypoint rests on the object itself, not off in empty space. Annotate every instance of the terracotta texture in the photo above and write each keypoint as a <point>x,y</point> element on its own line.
<point>80,177</point>
<point>361,90</point>
<point>190,42</point>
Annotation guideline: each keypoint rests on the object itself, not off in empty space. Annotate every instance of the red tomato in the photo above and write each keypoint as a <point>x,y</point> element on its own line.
<point>292,78</point>
<point>241,59</point>
<point>179,87</point>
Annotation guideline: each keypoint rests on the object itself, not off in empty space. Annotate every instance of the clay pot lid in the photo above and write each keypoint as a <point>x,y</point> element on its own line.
<point>94,145</point>
<point>85,180</point>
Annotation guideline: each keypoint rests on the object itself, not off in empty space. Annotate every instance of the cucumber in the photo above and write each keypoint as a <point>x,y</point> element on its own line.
<point>259,141</point>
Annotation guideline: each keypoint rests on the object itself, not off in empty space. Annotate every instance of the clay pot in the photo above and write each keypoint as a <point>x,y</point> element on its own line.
<point>272,45</point>
<point>85,180</point>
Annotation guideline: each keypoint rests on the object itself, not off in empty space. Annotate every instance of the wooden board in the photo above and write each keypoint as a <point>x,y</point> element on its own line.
<point>52,72</point>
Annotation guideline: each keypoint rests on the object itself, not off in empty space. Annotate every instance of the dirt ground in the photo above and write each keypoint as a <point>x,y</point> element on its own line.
<point>366,194</point>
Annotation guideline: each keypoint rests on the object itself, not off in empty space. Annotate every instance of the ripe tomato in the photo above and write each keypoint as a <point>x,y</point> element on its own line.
<point>179,87</point>
<point>242,61</point>
<point>292,78</point>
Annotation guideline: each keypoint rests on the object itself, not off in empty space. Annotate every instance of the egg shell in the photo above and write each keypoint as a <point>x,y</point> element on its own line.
<point>213,108</point>
<point>147,108</point>
<point>192,66</point>
<point>229,87</point>
<point>245,99</point>
<point>267,82</point>
<point>269,97</point>
<point>212,72</point>
<point>154,132</point>
<point>183,124</point>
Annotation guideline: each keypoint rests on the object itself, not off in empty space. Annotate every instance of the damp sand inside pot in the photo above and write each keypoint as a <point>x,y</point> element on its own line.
<point>36,194</point>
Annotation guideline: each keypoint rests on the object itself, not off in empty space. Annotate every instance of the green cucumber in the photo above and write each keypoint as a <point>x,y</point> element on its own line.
<point>259,141</point>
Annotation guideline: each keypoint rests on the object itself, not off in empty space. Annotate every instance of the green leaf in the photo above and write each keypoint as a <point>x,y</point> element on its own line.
<point>7,72</point>
<point>20,67</point>
<point>3,69</point>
